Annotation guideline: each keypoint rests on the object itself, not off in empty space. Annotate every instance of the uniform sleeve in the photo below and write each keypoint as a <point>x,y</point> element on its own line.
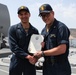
<point>13,43</point>
<point>63,35</point>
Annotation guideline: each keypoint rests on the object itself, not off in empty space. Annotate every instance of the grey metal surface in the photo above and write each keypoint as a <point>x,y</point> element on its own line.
<point>4,19</point>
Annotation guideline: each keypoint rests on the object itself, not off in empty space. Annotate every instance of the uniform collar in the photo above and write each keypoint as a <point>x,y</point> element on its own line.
<point>51,28</point>
<point>21,28</point>
<point>53,25</point>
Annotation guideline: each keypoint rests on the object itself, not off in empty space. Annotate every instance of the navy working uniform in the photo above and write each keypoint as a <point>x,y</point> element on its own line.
<point>57,35</point>
<point>18,41</point>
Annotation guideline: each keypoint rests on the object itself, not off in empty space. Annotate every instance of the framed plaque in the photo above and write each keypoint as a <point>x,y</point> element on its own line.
<point>35,43</point>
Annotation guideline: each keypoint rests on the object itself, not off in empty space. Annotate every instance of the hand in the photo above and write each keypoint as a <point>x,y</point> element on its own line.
<point>32,59</point>
<point>38,54</point>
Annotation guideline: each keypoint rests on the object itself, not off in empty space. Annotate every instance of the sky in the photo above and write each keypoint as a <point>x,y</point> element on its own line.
<point>65,11</point>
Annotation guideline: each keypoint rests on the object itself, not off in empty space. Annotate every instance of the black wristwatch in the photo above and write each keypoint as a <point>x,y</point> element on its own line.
<point>42,54</point>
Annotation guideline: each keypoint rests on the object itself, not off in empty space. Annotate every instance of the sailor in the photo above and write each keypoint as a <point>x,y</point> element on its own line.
<point>56,44</point>
<point>22,63</point>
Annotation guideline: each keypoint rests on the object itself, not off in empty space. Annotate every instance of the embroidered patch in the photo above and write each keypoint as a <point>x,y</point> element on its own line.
<point>52,35</point>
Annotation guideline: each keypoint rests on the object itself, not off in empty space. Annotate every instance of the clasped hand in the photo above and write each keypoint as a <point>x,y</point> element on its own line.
<point>33,59</point>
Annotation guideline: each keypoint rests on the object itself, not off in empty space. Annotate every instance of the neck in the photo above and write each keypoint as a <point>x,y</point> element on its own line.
<point>49,25</point>
<point>25,25</point>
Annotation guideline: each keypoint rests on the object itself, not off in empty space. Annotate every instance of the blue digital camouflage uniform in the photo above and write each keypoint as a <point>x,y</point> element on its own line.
<point>18,42</point>
<point>57,35</point>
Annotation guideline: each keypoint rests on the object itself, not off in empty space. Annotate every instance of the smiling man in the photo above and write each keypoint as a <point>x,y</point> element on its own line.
<point>56,47</point>
<point>22,63</point>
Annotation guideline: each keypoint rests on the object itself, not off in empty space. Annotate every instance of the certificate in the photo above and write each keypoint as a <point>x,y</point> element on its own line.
<point>35,43</point>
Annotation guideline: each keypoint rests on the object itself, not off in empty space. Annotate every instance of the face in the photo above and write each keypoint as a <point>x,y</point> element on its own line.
<point>24,16</point>
<point>48,17</point>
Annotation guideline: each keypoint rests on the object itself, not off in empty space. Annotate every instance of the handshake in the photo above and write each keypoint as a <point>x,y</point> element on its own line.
<point>37,57</point>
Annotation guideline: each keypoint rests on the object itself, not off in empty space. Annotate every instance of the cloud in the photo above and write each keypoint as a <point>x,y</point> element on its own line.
<point>70,11</point>
<point>66,11</point>
<point>34,7</point>
<point>63,12</point>
<point>66,14</point>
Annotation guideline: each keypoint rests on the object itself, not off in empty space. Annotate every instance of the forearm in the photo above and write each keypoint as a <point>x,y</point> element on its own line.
<point>19,52</point>
<point>61,49</point>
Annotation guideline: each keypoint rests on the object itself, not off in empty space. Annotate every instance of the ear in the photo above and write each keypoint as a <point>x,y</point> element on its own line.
<point>53,12</point>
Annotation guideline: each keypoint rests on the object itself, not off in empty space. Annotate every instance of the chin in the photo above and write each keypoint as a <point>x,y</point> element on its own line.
<point>24,21</point>
<point>47,23</point>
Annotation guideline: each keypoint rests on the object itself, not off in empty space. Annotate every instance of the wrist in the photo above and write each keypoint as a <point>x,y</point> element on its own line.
<point>42,54</point>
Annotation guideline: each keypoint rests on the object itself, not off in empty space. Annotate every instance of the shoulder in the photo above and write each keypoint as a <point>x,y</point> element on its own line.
<point>43,31</point>
<point>34,28</point>
<point>13,28</point>
<point>62,27</point>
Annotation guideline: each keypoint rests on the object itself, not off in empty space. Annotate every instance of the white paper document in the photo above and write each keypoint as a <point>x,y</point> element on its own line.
<point>35,43</point>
